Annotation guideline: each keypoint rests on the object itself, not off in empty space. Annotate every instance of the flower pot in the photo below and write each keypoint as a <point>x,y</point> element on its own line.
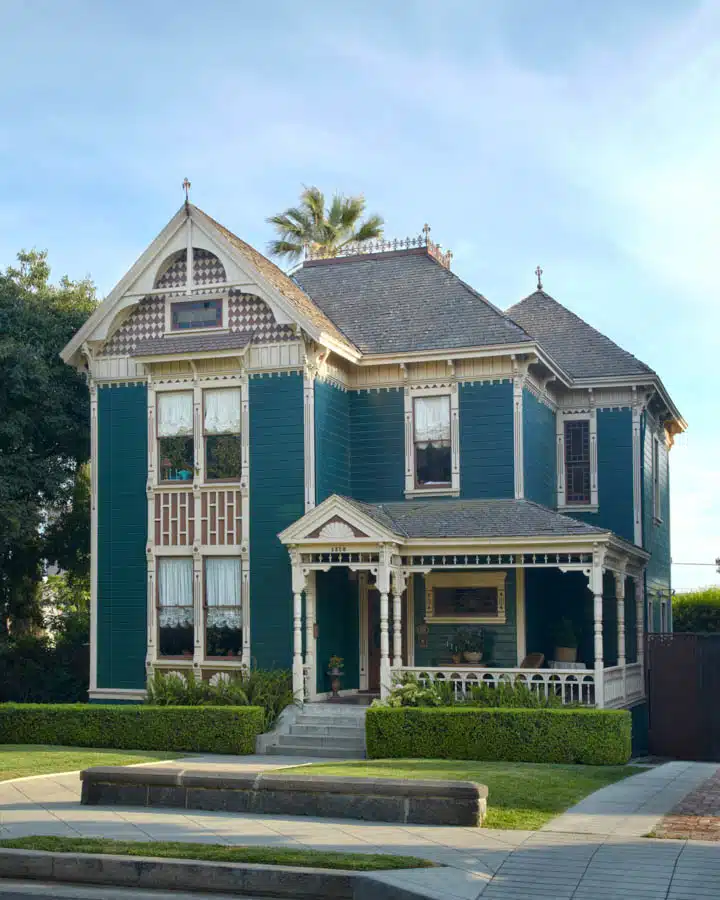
<point>457,658</point>
<point>335,676</point>
<point>472,656</point>
<point>566,654</point>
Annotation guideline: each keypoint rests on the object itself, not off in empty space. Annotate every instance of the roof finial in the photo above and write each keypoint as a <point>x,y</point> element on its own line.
<point>539,273</point>
<point>426,232</point>
<point>186,188</point>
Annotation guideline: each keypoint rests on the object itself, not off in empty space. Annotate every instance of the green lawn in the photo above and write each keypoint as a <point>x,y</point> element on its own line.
<point>520,795</point>
<point>268,856</point>
<point>19,760</point>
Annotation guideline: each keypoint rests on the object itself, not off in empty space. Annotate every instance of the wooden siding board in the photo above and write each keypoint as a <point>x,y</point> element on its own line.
<point>377,457</point>
<point>332,441</point>
<point>276,500</point>
<point>656,536</point>
<point>338,627</point>
<point>539,454</point>
<point>486,440</point>
<point>122,534</point>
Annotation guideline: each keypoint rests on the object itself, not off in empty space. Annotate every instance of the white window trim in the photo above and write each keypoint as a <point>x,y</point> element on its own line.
<point>561,418</point>
<point>655,479</point>
<point>442,390</point>
<point>465,579</point>
<point>223,328</point>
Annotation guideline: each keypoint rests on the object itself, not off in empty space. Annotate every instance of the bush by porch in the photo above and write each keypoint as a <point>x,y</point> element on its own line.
<point>588,736</point>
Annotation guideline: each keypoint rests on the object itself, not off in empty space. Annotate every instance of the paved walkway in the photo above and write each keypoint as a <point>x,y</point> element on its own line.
<point>595,851</point>
<point>696,816</point>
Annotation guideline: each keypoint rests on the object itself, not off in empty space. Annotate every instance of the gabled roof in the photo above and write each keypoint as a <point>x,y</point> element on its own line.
<point>578,347</point>
<point>404,301</point>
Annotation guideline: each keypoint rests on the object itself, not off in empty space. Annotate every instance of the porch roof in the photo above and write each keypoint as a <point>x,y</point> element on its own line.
<point>417,519</point>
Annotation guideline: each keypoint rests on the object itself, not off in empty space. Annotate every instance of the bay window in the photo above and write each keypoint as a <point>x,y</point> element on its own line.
<point>223,607</point>
<point>221,432</point>
<point>176,632</point>
<point>176,449</point>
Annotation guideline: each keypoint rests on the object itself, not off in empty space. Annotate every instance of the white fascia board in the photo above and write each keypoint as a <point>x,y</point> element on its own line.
<point>651,380</point>
<point>579,543</point>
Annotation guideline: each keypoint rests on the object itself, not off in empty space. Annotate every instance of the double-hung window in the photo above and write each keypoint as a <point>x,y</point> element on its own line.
<point>175,436</point>
<point>221,432</point>
<point>431,439</point>
<point>577,482</point>
<point>176,631</point>
<point>223,607</point>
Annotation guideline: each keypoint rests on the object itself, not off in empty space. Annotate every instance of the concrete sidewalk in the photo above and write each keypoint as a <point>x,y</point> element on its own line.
<point>595,850</point>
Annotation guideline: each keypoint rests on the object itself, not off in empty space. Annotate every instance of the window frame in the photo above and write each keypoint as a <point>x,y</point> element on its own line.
<point>589,416</point>
<point>204,436</point>
<point>169,482</point>
<point>161,657</point>
<point>238,658</point>
<point>207,329</point>
<point>451,488</point>
<point>478,579</point>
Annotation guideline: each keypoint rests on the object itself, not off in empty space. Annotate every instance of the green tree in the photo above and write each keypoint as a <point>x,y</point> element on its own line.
<point>323,231</point>
<point>44,431</point>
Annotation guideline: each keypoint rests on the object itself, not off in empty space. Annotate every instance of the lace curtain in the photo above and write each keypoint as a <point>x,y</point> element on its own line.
<point>175,414</point>
<point>175,592</point>
<point>222,593</point>
<point>432,420</point>
<point>222,412</point>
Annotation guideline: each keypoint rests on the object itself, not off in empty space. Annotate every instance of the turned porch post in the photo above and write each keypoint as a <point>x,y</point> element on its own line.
<point>298,586</point>
<point>620,599</point>
<point>310,635</point>
<point>640,621</point>
<point>383,586</point>
<point>398,585</point>
<point>596,586</point>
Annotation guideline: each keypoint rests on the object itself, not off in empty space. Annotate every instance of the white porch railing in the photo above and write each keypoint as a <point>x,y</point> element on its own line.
<point>623,684</point>
<point>571,685</point>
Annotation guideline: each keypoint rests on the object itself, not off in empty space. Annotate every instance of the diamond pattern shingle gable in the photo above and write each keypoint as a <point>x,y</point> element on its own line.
<point>405,301</point>
<point>578,347</point>
<point>473,518</point>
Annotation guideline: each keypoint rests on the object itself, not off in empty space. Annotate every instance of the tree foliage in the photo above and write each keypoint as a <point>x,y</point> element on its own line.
<point>697,612</point>
<point>44,434</point>
<point>323,231</point>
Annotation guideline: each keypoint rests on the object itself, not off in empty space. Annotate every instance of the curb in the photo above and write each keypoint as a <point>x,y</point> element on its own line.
<point>289,882</point>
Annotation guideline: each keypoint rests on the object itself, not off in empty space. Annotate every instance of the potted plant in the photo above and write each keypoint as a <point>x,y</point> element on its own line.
<point>473,649</point>
<point>455,646</point>
<point>335,671</point>
<point>566,641</point>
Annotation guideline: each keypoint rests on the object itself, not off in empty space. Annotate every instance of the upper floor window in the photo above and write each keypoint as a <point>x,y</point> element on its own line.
<point>432,464</point>
<point>656,457</point>
<point>186,315</point>
<point>176,446</point>
<point>221,431</point>
<point>577,461</point>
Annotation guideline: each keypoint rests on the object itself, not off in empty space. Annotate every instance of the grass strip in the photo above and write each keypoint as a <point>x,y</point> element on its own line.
<point>267,856</point>
<point>21,760</point>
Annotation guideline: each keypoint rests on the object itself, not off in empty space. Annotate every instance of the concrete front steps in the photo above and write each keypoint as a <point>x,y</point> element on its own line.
<point>329,730</point>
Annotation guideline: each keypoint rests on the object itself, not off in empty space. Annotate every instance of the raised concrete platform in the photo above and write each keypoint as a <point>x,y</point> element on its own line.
<point>461,803</point>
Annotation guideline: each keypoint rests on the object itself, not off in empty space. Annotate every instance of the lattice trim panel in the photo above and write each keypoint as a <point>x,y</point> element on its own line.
<point>221,513</point>
<point>174,519</point>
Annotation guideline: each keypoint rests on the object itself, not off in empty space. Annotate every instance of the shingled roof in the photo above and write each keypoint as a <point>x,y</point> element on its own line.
<point>473,518</point>
<point>193,343</point>
<point>578,347</point>
<point>404,301</point>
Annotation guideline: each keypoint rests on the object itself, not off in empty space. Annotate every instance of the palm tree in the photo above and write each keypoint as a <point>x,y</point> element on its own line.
<point>323,232</point>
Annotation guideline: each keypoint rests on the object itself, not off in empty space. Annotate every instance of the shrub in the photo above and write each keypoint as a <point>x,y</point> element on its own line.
<point>202,729</point>
<point>271,689</point>
<point>410,691</point>
<point>590,736</point>
<point>697,612</point>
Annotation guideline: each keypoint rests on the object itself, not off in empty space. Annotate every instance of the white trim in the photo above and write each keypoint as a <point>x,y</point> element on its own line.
<point>222,328</point>
<point>410,619</point>
<point>309,440</point>
<point>561,418</point>
<point>93,535</point>
<point>465,579</point>
<point>412,392</point>
<point>364,615</point>
<point>330,508</point>
<point>637,473</point>
<point>117,694</point>
<point>518,437</point>
<point>520,619</point>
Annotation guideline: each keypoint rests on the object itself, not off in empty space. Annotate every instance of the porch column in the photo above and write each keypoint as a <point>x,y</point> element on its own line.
<point>298,586</point>
<point>310,635</point>
<point>398,583</point>
<point>383,586</point>
<point>596,586</point>
<point>640,621</point>
<point>620,599</point>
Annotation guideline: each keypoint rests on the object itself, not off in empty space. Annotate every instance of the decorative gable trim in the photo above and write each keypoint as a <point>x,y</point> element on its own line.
<point>321,525</point>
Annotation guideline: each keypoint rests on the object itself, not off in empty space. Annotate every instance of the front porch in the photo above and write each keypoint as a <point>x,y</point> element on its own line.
<point>375,589</point>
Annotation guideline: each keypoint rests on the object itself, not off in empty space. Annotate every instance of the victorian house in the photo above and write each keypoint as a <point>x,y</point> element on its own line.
<point>358,460</point>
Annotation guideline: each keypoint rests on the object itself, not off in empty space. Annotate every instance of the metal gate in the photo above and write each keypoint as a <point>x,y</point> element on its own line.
<point>684,695</point>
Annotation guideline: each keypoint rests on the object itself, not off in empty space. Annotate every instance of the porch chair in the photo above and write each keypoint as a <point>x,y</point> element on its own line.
<point>533,661</point>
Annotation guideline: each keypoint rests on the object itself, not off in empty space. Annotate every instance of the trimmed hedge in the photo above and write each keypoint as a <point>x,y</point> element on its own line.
<point>591,736</point>
<point>202,729</point>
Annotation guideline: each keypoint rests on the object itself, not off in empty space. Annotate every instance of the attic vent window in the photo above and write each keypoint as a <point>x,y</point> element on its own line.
<point>190,314</point>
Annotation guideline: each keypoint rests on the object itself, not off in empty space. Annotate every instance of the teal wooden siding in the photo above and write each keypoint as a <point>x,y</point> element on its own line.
<point>539,456</point>
<point>500,640</point>
<point>377,431</point>
<point>122,534</point>
<point>615,474</point>
<point>276,500</point>
<point>486,440</point>
<point>332,441</point>
<point>338,627</point>
<point>656,535</point>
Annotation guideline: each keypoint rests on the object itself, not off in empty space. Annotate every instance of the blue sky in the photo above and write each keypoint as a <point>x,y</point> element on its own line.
<point>581,136</point>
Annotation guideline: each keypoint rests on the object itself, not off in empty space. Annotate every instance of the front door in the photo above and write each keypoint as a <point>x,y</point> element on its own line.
<point>373,639</point>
